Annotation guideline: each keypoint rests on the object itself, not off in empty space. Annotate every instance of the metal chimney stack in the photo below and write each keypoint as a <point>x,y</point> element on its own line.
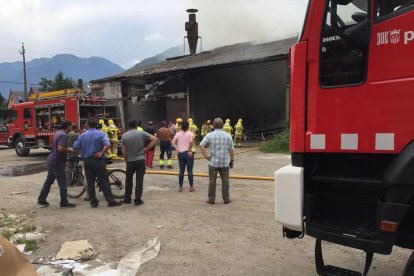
<point>192,30</point>
<point>80,84</point>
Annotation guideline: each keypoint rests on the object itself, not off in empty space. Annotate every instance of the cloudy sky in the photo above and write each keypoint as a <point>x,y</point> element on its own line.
<point>127,31</point>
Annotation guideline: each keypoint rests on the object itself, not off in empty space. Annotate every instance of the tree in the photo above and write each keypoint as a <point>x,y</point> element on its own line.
<point>59,83</point>
<point>46,85</point>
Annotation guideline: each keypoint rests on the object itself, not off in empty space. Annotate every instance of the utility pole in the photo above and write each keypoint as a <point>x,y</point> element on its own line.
<point>22,52</point>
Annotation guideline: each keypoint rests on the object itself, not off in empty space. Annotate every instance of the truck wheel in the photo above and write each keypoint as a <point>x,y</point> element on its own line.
<point>20,147</point>
<point>409,267</point>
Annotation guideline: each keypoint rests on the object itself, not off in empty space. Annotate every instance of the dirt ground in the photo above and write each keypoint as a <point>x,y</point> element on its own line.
<point>241,238</point>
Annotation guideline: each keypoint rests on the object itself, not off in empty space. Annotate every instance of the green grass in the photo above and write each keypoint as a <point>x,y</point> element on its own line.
<point>279,143</point>
<point>6,233</point>
<point>29,245</point>
<point>6,221</point>
<point>26,229</point>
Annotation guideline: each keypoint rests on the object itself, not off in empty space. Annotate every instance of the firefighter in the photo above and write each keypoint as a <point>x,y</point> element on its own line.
<point>113,138</point>
<point>194,129</point>
<point>238,132</point>
<point>227,127</point>
<point>104,128</point>
<point>210,126</point>
<point>139,128</point>
<point>205,128</point>
<point>178,123</point>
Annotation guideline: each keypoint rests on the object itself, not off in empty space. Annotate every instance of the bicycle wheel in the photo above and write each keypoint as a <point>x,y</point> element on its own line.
<point>76,187</point>
<point>117,182</point>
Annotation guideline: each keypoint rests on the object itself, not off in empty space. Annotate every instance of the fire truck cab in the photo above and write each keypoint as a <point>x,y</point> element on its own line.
<point>32,124</point>
<point>351,181</point>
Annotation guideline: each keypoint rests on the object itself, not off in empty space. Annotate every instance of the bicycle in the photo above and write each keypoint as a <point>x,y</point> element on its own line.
<point>76,187</point>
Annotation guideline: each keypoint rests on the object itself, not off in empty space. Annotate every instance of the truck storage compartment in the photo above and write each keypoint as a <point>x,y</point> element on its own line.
<point>345,173</point>
<point>342,214</point>
<point>353,220</point>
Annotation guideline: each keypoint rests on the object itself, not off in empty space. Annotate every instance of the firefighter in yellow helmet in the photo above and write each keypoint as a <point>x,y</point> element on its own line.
<point>113,138</point>
<point>178,123</point>
<point>103,126</point>
<point>194,129</point>
<point>210,126</point>
<point>206,128</point>
<point>104,129</point>
<point>238,132</point>
<point>227,127</point>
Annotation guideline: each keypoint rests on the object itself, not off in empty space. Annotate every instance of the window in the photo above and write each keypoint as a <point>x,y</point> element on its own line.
<point>344,43</point>
<point>57,116</point>
<point>42,118</point>
<point>390,7</point>
<point>13,115</point>
<point>26,113</point>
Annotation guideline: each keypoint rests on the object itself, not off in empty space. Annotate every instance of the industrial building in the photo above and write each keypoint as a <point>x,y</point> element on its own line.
<point>245,80</point>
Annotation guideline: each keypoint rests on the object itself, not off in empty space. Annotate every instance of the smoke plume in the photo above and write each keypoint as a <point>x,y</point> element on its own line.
<point>224,22</point>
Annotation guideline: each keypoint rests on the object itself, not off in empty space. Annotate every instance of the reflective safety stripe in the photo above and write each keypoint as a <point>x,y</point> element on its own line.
<point>193,128</point>
<point>227,128</point>
<point>239,128</point>
<point>162,162</point>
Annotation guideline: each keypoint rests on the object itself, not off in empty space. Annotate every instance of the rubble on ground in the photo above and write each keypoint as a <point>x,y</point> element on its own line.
<point>76,250</point>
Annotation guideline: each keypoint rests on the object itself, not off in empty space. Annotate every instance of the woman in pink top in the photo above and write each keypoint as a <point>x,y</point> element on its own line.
<point>183,142</point>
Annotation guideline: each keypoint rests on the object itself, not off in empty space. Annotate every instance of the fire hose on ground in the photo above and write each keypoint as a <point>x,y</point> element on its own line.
<point>244,177</point>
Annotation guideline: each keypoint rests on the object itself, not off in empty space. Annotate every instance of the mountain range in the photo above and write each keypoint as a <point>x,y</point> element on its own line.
<point>11,73</point>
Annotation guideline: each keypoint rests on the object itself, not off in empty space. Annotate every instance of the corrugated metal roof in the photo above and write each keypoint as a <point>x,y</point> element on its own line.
<point>227,55</point>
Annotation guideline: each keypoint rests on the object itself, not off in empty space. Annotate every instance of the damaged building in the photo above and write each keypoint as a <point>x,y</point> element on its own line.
<point>246,80</point>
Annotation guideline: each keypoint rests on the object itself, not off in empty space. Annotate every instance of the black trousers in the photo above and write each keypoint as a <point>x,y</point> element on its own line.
<point>95,168</point>
<point>165,147</point>
<point>137,167</point>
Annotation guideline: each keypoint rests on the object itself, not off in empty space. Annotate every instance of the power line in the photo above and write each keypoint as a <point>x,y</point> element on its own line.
<point>13,82</point>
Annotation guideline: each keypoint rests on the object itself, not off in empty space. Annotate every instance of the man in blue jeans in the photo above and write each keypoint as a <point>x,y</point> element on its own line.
<point>133,151</point>
<point>56,167</point>
<point>221,146</point>
<point>93,145</point>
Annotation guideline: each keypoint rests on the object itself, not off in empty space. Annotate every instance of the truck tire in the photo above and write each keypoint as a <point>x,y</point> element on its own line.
<point>20,147</point>
<point>409,267</point>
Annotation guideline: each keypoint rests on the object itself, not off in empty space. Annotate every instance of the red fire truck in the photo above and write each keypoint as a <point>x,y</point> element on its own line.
<point>33,123</point>
<point>351,181</point>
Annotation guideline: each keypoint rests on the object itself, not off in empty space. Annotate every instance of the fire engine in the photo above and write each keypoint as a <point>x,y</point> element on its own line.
<point>32,124</point>
<point>351,181</point>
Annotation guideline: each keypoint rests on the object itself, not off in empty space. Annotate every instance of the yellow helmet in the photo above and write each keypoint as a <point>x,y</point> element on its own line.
<point>227,121</point>
<point>110,122</point>
<point>208,122</point>
<point>101,121</point>
<point>189,120</point>
<point>240,121</point>
<point>178,120</point>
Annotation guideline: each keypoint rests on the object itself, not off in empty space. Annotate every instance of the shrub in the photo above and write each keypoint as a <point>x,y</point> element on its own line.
<point>26,229</point>
<point>279,143</point>
<point>29,245</point>
<point>6,233</point>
